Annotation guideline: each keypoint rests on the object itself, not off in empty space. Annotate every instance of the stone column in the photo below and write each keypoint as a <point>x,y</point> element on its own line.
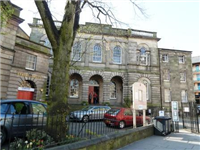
<point>106,91</point>
<point>85,90</point>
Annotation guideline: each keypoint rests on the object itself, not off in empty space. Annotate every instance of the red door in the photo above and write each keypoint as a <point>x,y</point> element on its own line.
<point>25,93</point>
<point>90,95</point>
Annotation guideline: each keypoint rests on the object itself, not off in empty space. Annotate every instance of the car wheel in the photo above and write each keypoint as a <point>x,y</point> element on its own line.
<point>2,136</point>
<point>121,124</point>
<point>85,118</point>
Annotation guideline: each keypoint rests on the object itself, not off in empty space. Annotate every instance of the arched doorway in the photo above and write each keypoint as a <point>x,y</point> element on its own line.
<point>95,91</point>
<point>26,90</point>
<point>116,90</point>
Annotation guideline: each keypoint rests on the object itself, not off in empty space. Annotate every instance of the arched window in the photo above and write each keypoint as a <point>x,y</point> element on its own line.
<point>97,54</point>
<point>143,57</point>
<point>74,88</point>
<point>117,55</point>
<point>146,82</point>
<point>113,90</point>
<point>76,53</point>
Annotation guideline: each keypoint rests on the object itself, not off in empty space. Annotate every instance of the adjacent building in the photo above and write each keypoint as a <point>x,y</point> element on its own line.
<point>196,77</point>
<point>24,63</point>
<point>109,60</point>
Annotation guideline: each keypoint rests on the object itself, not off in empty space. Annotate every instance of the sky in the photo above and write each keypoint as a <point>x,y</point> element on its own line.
<point>177,22</point>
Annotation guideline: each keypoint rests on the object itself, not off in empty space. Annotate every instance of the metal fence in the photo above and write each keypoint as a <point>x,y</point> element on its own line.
<point>26,131</point>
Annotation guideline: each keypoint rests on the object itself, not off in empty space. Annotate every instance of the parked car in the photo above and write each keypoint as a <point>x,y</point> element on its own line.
<point>121,117</point>
<point>89,113</point>
<point>19,116</point>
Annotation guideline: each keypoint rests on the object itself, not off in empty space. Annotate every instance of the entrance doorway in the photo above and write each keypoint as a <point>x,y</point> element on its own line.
<point>93,92</point>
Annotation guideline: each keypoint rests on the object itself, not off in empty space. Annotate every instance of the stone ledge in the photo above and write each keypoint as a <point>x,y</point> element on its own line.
<point>110,141</point>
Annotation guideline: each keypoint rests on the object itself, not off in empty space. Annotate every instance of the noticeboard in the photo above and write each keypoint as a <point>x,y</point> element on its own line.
<point>175,116</point>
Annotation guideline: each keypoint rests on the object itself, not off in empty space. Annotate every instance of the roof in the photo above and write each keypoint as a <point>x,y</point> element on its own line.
<point>18,100</point>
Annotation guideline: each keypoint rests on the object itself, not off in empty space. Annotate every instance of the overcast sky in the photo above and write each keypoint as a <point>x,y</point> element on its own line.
<point>176,22</point>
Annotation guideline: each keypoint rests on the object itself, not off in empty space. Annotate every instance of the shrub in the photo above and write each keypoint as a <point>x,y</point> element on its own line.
<point>127,102</point>
<point>106,103</point>
<point>84,103</point>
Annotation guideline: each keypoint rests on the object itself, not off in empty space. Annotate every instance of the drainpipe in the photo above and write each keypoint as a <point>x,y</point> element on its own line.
<point>160,79</point>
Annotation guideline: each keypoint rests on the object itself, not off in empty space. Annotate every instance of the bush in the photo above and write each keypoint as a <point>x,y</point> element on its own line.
<point>84,103</point>
<point>106,103</point>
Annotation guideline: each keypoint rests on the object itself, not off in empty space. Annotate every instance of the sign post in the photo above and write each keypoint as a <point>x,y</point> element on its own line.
<point>139,101</point>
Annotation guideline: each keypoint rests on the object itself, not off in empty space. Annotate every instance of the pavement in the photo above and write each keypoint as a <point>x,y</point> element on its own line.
<point>184,140</point>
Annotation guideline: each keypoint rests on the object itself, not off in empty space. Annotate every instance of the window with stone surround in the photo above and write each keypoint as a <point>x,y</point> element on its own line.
<point>76,52</point>
<point>113,90</point>
<point>97,53</point>
<point>167,95</point>
<point>31,62</point>
<point>164,57</point>
<point>117,54</point>
<point>166,75</point>
<point>183,77</point>
<point>74,88</point>
<point>184,96</point>
<point>181,59</point>
<point>143,57</point>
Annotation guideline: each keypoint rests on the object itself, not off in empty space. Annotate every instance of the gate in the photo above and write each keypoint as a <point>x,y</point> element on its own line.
<point>189,118</point>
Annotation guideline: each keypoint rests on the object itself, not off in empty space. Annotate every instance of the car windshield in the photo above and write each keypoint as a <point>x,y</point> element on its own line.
<point>4,108</point>
<point>87,108</point>
<point>114,111</point>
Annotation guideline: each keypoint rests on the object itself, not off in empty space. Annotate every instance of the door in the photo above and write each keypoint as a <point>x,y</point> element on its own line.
<point>25,93</point>
<point>90,94</point>
<point>128,117</point>
<point>22,118</point>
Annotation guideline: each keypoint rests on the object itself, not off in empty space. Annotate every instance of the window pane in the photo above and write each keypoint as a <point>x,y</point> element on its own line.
<point>182,77</point>
<point>112,90</point>
<point>74,88</point>
<point>97,53</point>
<point>117,55</point>
<point>30,62</point>
<point>167,95</point>
<point>38,109</point>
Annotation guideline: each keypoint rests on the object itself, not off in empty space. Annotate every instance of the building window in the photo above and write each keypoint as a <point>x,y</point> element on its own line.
<point>97,53</point>
<point>197,68</point>
<point>181,59</point>
<point>48,85</point>
<point>112,90</point>
<point>167,95</point>
<point>31,62</point>
<point>182,77</point>
<point>165,58</point>
<point>166,75</point>
<point>77,52</point>
<point>117,55</point>
<point>198,77</point>
<point>74,88</point>
<point>184,96</point>
<point>198,86</point>
<point>143,57</point>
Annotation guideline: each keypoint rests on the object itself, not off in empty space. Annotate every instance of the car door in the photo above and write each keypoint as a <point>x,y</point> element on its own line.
<point>128,116</point>
<point>21,118</point>
<point>95,113</point>
<point>39,114</point>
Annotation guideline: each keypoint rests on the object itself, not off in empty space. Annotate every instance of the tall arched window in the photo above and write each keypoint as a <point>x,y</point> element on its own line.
<point>74,88</point>
<point>97,54</point>
<point>113,90</point>
<point>117,55</point>
<point>76,53</point>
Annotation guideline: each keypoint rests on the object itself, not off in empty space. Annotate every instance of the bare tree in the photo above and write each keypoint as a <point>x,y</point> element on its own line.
<point>61,41</point>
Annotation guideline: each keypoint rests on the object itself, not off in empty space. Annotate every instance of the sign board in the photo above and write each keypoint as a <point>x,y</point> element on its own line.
<point>161,113</point>
<point>26,89</point>
<point>139,96</point>
<point>175,116</point>
<point>186,109</point>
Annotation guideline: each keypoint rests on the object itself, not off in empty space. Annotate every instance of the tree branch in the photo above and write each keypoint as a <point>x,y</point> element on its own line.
<point>50,28</point>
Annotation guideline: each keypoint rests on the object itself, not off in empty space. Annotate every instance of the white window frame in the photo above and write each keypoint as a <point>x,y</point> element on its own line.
<point>143,59</point>
<point>181,59</point>
<point>166,75</point>
<point>117,48</point>
<point>165,58</point>
<point>77,51</point>
<point>167,95</point>
<point>95,55</point>
<point>31,60</point>
<point>184,96</point>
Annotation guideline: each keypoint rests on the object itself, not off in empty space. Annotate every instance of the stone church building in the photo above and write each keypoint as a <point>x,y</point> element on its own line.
<point>107,61</point>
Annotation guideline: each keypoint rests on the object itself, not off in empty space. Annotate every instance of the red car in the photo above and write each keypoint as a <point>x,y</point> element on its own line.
<point>122,117</point>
